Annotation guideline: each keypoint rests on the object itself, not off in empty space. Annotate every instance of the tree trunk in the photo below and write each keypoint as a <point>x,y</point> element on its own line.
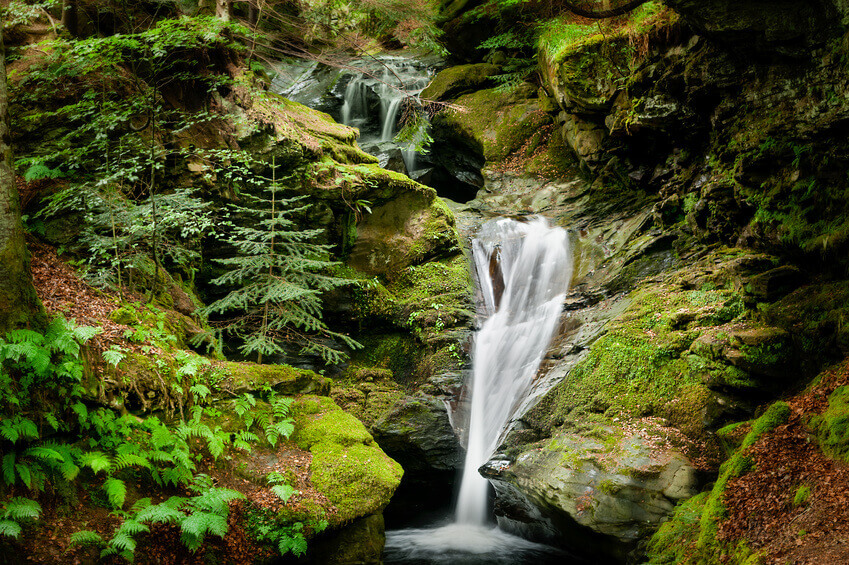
<point>224,9</point>
<point>70,17</point>
<point>19,304</point>
<point>253,12</point>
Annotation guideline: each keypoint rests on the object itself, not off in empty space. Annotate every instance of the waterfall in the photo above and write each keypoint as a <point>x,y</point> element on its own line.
<point>355,105</point>
<point>390,117</point>
<point>524,270</point>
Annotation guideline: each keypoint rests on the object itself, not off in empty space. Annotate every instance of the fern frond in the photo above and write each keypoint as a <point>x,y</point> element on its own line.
<point>296,543</point>
<point>9,468</point>
<point>122,461</point>
<point>20,508</point>
<point>133,527</point>
<point>96,460</point>
<point>123,542</point>
<point>283,492</point>
<point>116,491</point>
<point>10,528</point>
<point>44,453</point>
<point>160,514</point>
<point>85,537</point>
<point>216,500</point>
<point>198,524</point>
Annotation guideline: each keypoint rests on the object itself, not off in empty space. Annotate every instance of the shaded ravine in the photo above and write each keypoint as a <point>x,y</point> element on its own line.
<point>523,269</point>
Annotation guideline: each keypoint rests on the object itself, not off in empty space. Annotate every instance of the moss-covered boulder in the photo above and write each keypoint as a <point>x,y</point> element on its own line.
<point>405,231</point>
<point>582,73</point>
<point>461,79</point>
<point>620,483</point>
<point>496,124</point>
<point>241,377</point>
<point>347,465</point>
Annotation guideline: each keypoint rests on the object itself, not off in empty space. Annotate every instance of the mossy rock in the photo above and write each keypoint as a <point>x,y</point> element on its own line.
<point>241,377</point>
<point>408,230</point>
<point>361,541</point>
<point>461,79</point>
<point>494,124</point>
<point>583,75</point>
<point>347,465</point>
<point>832,426</point>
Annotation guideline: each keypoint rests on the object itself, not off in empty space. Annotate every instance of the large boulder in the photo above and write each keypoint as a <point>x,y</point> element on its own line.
<point>617,482</point>
<point>347,465</point>
<point>417,433</point>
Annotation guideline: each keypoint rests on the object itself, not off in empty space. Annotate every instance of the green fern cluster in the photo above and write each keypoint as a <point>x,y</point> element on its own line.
<point>111,449</point>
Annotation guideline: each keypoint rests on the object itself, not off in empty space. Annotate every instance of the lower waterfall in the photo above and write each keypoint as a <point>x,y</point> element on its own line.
<point>523,269</point>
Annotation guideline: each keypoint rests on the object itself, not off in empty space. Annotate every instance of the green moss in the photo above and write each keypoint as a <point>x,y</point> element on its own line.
<point>358,479</point>
<point>460,79</point>
<point>334,426</point>
<point>674,540</point>
<point>832,427</point>
<point>285,379</point>
<point>803,493</point>
<point>394,351</point>
<point>347,466</point>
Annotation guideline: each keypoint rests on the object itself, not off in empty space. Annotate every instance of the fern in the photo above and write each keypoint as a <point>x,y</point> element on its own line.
<point>96,460</point>
<point>85,537</point>
<point>216,500</point>
<point>10,528</point>
<point>9,468</point>
<point>296,543</point>
<point>44,453</point>
<point>114,355</point>
<point>21,509</point>
<point>160,514</point>
<point>198,524</point>
<point>283,492</point>
<point>116,492</point>
<point>124,460</point>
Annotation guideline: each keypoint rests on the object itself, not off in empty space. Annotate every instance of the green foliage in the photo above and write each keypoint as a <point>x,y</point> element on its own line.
<point>803,493</point>
<point>120,448</point>
<point>283,532</point>
<point>277,279</point>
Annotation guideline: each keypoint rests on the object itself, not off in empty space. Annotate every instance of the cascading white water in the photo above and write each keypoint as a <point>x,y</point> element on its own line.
<point>390,118</point>
<point>524,270</point>
<point>355,105</point>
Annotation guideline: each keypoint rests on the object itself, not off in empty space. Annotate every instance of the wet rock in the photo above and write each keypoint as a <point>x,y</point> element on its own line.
<point>357,543</point>
<point>417,433</point>
<point>618,484</point>
<point>462,79</point>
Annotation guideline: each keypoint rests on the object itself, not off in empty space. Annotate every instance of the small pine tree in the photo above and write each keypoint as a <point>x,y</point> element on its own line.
<point>279,275</point>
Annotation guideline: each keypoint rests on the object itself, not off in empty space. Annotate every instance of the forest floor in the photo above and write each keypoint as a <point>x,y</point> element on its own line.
<point>64,292</point>
<point>761,505</point>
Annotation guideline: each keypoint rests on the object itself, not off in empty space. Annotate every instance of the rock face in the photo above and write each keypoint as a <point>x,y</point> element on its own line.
<point>783,26</point>
<point>616,483</point>
<point>417,433</point>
